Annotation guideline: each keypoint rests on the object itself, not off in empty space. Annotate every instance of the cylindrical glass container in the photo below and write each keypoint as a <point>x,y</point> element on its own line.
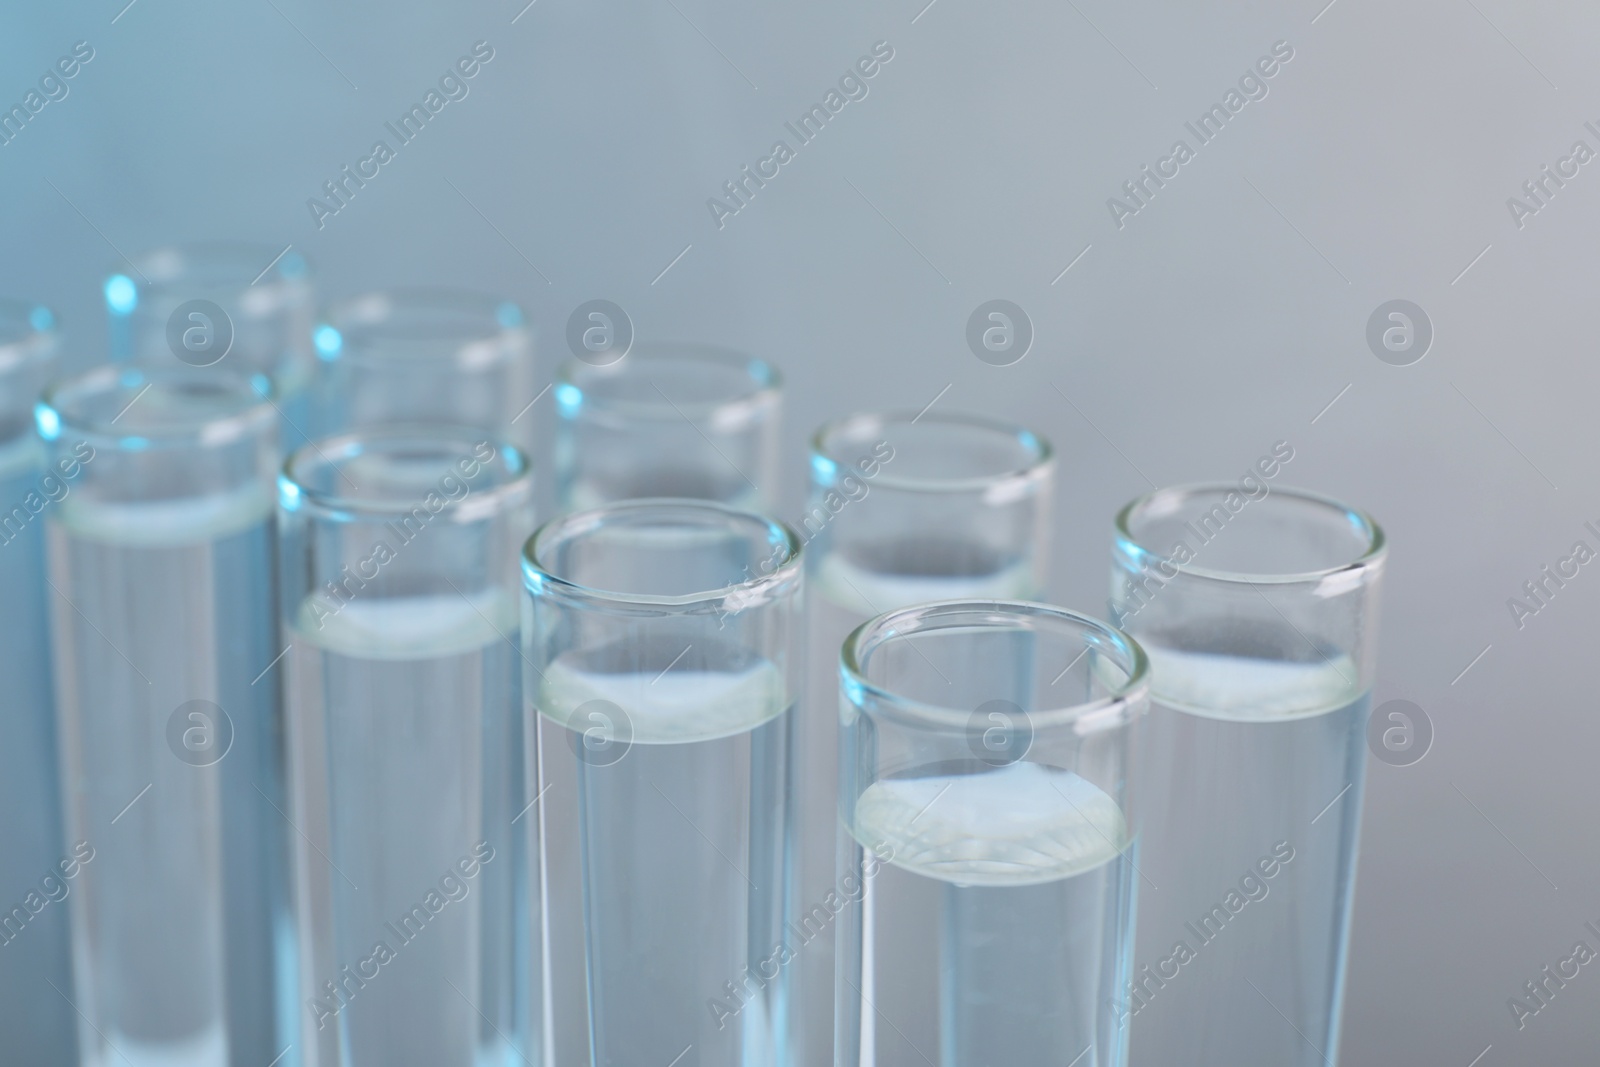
<point>988,758</point>
<point>661,640</point>
<point>34,861</point>
<point>235,304</point>
<point>400,589</point>
<point>161,564</point>
<point>427,356</point>
<point>668,420</point>
<point>1258,608</point>
<point>903,509</point>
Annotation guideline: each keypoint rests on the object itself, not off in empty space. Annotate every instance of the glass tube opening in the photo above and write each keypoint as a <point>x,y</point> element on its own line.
<point>239,304</point>
<point>907,509</point>
<point>664,553</point>
<point>667,380</point>
<point>168,455</point>
<point>936,452</point>
<point>465,329</point>
<point>1247,533</point>
<point>217,265</point>
<point>255,276</point>
<point>156,408</point>
<point>393,470</point>
<point>931,666</point>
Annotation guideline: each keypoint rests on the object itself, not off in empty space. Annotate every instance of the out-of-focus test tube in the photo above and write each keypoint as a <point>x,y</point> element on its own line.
<point>668,420</point>
<point>1258,607</point>
<point>400,592</point>
<point>161,562</point>
<point>427,356</point>
<point>903,509</point>
<point>34,860</point>
<point>988,759</point>
<point>661,640</point>
<point>239,305</point>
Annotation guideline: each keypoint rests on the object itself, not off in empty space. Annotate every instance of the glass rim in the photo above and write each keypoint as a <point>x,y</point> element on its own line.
<point>565,528</point>
<point>297,494</point>
<point>1373,553</point>
<point>1041,454</point>
<point>1115,706</point>
<point>274,264</point>
<point>736,410</point>
<point>59,408</point>
<point>35,344</point>
<point>343,315</point>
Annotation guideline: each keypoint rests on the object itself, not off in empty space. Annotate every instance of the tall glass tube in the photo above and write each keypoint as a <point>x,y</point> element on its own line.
<point>903,509</point>
<point>661,639</point>
<point>400,589</point>
<point>235,308</point>
<point>668,420</point>
<point>1258,607</point>
<point>432,356</point>
<point>988,760</point>
<point>161,571</point>
<point>33,859</point>
<point>236,304</point>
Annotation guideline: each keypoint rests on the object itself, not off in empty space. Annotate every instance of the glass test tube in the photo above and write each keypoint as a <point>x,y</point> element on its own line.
<point>400,589</point>
<point>161,564</point>
<point>34,862</point>
<point>668,420</point>
<point>903,510</point>
<point>1258,608</point>
<point>237,304</point>
<point>660,639</point>
<point>431,356</point>
<point>989,753</point>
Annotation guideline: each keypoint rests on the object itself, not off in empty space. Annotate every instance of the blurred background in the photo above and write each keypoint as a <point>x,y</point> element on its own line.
<point>1177,337</point>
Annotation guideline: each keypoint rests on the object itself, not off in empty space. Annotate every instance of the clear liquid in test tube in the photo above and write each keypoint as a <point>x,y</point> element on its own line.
<point>162,563</point>
<point>904,509</point>
<point>1258,607</point>
<point>661,679</point>
<point>400,592</point>
<point>988,762</point>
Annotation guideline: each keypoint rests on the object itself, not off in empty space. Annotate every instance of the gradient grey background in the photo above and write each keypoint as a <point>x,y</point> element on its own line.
<point>1225,316</point>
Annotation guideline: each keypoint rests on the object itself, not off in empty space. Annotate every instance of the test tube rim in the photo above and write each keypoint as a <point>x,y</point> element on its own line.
<point>759,589</point>
<point>256,411</point>
<point>1121,704</point>
<point>300,496</point>
<point>1037,469</point>
<point>728,414</point>
<point>254,259</point>
<point>1370,558</point>
<point>344,314</point>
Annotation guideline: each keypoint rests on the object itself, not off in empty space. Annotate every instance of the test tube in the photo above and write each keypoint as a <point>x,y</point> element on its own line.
<point>1258,607</point>
<point>160,564</point>
<point>400,590</point>
<point>668,420</point>
<point>903,509</point>
<point>988,759</point>
<point>237,304</point>
<point>660,641</point>
<point>432,356</point>
<point>34,862</point>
